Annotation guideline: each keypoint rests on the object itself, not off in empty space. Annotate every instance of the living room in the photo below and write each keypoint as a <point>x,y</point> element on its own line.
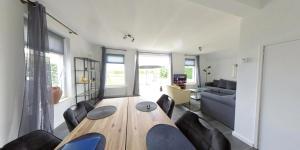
<point>238,59</point>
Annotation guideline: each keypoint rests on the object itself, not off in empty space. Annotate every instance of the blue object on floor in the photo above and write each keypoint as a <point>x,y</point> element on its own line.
<point>166,137</point>
<point>90,141</point>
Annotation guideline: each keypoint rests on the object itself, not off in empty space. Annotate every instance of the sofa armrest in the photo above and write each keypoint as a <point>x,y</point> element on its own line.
<point>226,100</point>
<point>227,91</point>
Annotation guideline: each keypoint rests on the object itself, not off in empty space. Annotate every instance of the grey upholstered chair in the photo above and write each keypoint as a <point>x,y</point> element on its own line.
<point>35,140</point>
<point>167,104</point>
<point>75,114</point>
<point>202,135</point>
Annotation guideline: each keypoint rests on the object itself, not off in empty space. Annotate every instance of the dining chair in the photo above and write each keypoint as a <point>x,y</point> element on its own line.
<point>35,140</point>
<point>75,114</point>
<point>167,104</point>
<point>202,135</point>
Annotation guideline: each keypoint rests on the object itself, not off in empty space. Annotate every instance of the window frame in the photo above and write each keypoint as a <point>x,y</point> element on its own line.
<point>65,82</point>
<point>118,55</point>
<point>121,63</point>
<point>194,79</point>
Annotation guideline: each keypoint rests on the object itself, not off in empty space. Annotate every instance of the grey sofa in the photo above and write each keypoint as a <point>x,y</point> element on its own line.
<point>218,101</point>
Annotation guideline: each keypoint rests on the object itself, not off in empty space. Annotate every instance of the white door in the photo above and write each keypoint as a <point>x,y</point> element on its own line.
<point>280,99</point>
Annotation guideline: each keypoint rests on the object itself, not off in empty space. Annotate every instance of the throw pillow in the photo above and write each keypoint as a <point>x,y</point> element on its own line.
<point>222,84</point>
<point>215,83</point>
<point>231,85</point>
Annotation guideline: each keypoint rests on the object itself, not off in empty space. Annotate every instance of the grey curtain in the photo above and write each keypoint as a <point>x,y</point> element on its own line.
<point>102,74</point>
<point>37,112</point>
<point>198,70</point>
<point>171,67</point>
<point>136,88</point>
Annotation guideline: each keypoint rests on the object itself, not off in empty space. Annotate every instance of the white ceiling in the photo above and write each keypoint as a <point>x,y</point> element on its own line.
<point>157,25</point>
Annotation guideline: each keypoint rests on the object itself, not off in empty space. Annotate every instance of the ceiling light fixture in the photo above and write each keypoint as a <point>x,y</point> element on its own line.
<point>128,36</point>
<point>200,48</point>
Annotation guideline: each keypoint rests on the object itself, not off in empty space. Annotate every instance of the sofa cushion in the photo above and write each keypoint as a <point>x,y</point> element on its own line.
<point>231,85</point>
<point>215,83</point>
<point>228,100</point>
<point>222,83</point>
<point>212,89</point>
<point>227,91</point>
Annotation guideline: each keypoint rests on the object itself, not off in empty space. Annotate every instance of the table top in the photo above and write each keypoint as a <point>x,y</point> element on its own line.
<point>202,89</point>
<point>112,127</point>
<point>126,128</point>
<point>139,124</point>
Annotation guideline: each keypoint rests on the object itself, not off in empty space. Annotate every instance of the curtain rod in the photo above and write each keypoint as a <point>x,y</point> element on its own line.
<point>51,16</point>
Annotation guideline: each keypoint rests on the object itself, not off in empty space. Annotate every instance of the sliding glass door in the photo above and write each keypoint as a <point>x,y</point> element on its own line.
<point>154,73</point>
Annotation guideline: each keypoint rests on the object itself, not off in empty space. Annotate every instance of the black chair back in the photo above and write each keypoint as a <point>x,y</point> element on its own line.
<point>167,104</point>
<point>75,114</point>
<point>35,140</point>
<point>203,136</point>
<point>88,106</point>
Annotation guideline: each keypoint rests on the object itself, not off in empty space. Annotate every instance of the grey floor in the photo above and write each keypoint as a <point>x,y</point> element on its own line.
<point>62,130</point>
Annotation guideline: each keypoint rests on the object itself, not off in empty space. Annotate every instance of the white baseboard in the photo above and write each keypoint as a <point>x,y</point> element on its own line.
<point>242,138</point>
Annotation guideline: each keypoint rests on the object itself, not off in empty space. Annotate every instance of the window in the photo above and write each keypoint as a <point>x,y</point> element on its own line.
<point>190,70</point>
<point>115,70</point>
<point>154,73</point>
<point>55,56</point>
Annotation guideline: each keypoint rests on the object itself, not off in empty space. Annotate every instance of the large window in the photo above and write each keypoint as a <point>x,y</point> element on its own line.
<point>115,70</point>
<point>154,73</point>
<point>56,58</point>
<point>190,70</point>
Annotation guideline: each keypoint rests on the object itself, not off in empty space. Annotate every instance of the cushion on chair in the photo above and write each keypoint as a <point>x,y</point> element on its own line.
<point>35,140</point>
<point>202,136</point>
<point>166,104</point>
<point>176,86</point>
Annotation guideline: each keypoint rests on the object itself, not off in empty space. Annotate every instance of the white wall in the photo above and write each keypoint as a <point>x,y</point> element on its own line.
<point>278,21</point>
<point>221,63</point>
<point>178,63</point>
<point>12,68</point>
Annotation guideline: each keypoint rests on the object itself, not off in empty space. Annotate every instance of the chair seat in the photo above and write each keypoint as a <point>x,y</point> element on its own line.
<point>35,140</point>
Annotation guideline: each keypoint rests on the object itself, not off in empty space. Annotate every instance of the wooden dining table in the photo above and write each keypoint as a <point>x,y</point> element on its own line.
<point>126,128</point>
